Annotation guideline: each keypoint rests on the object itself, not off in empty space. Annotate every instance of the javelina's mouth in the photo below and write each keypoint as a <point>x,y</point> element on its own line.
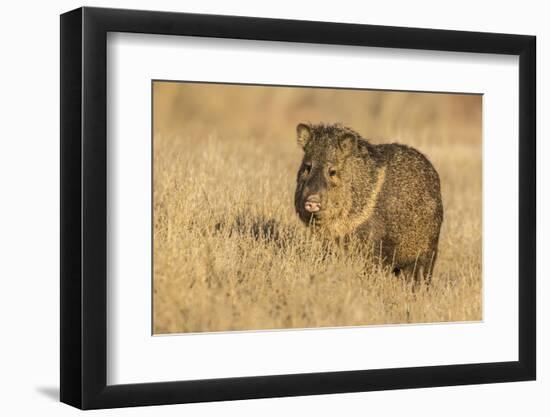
<point>314,218</point>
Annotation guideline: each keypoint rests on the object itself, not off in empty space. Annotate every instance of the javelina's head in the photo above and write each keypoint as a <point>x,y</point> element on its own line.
<point>324,181</point>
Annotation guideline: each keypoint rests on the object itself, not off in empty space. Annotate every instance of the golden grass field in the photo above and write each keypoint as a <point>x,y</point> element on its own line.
<point>229,251</point>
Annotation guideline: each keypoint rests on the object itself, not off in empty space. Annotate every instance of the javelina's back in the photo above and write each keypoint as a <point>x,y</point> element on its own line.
<point>387,195</point>
<point>410,207</point>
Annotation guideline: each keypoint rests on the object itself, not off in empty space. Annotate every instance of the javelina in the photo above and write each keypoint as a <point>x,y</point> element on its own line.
<point>386,195</point>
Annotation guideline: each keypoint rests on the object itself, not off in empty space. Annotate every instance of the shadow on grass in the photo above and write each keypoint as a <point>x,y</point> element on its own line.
<point>283,236</point>
<point>260,228</point>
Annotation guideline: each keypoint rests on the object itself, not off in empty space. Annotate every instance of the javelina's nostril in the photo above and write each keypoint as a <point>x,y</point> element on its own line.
<point>313,204</point>
<point>312,207</point>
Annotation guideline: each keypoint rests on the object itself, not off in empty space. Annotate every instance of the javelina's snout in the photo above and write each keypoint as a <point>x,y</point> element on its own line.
<point>313,203</point>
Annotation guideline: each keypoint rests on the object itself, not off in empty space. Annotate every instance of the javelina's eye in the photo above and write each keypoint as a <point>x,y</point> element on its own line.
<point>307,167</point>
<point>331,172</point>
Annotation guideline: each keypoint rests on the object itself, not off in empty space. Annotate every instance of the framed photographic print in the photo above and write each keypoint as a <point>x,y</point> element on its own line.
<point>257,207</point>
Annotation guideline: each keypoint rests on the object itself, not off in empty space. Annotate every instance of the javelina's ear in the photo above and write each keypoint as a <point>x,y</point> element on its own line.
<point>303,132</point>
<point>348,143</point>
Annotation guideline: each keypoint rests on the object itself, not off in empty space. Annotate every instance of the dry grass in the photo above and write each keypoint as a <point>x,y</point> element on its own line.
<point>229,251</point>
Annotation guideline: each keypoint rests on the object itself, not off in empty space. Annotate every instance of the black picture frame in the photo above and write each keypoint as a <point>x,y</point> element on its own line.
<point>84,207</point>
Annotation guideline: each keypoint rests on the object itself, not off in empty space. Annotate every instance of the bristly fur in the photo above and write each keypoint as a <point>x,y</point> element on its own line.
<point>331,130</point>
<point>387,195</point>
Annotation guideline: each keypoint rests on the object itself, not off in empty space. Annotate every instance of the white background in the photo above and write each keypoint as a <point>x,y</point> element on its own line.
<point>134,356</point>
<point>29,236</point>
